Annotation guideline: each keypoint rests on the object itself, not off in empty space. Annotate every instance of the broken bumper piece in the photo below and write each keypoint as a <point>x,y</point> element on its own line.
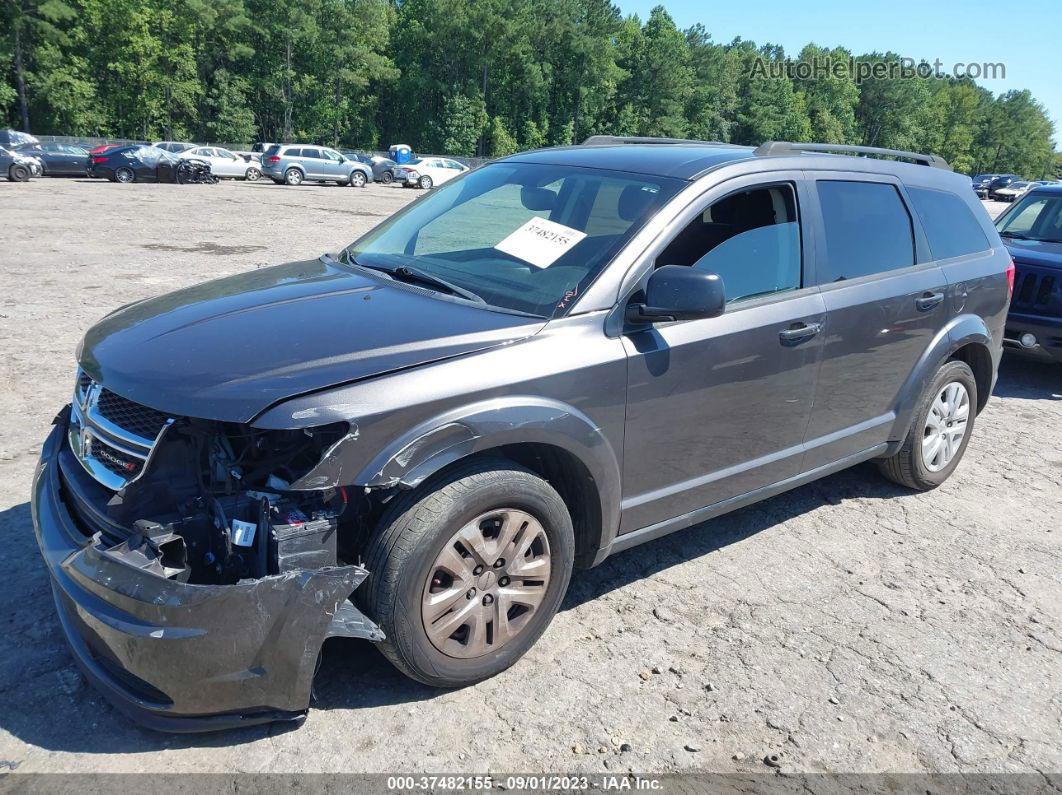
<point>185,658</point>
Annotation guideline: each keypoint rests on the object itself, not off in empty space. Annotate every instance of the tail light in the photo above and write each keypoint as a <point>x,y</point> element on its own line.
<point>99,159</point>
<point>273,159</point>
<point>1010,278</point>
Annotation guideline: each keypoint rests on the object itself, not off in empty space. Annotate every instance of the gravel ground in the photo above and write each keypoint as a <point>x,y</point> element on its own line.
<point>847,626</point>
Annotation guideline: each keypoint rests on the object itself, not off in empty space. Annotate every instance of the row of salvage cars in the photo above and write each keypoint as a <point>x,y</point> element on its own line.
<point>22,157</point>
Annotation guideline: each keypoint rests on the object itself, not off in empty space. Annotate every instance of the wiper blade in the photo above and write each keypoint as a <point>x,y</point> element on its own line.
<point>1015,235</point>
<point>409,274</point>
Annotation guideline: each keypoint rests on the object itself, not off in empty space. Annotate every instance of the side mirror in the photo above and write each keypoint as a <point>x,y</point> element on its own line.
<point>679,292</point>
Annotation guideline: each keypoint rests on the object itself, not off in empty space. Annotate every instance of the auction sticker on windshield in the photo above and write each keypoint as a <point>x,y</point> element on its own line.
<point>540,242</point>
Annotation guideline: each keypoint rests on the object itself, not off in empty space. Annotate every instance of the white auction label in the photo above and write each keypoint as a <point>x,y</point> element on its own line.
<point>540,242</point>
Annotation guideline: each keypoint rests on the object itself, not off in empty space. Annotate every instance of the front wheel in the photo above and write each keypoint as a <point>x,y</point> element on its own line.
<point>253,174</point>
<point>940,431</point>
<point>467,572</point>
<point>387,177</point>
<point>357,179</point>
<point>18,173</point>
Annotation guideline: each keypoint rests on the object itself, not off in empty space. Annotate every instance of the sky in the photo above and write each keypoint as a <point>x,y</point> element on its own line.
<point>1022,36</point>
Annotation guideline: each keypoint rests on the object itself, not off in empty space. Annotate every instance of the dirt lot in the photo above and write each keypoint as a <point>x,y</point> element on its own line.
<point>849,625</point>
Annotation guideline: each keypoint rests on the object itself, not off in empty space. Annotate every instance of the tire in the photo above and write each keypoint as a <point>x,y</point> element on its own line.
<point>419,530</point>
<point>18,173</point>
<point>124,175</point>
<point>293,177</point>
<point>909,466</point>
<point>387,177</point>
<point>253,174</point>
<point>426,182</point>
<point>357,179</point>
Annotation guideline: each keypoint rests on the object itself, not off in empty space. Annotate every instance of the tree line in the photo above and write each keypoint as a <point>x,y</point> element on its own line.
<point>470,77</point>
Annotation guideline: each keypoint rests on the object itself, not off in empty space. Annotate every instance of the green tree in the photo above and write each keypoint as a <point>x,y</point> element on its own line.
<point>461,125</point>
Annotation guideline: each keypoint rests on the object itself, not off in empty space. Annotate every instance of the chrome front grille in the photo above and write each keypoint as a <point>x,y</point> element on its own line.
<point>111,436</point>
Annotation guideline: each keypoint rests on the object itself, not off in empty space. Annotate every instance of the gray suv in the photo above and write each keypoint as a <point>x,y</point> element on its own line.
<point>549,360</point>
<point>293,164</point>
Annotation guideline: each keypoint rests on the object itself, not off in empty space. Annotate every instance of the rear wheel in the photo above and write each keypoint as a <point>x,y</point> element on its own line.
<point>426,182</point>
<point>357,179</point>
<point>940,431</point>
<point>18,173</point>
<point>124,175</point>
<point>293,176</point>
<point>468,571</point>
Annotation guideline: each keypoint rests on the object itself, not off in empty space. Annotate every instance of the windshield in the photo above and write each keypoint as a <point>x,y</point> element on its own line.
<point>1037,216</point>
<point>521,237</point>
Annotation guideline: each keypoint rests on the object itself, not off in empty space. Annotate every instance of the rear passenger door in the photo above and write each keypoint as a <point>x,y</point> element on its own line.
<point>313,163</point>
<point>885,303</point>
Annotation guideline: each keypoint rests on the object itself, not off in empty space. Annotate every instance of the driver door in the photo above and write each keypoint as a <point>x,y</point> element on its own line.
<point>718,407</point>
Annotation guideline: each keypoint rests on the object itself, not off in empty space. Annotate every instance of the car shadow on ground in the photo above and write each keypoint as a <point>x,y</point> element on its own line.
<point>46,705</point>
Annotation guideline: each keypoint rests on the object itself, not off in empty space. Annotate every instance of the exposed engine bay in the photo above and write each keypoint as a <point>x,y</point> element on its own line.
<point>206,502</point>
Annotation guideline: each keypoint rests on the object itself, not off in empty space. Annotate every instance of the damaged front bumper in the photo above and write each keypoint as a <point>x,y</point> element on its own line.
<point>181,657</point>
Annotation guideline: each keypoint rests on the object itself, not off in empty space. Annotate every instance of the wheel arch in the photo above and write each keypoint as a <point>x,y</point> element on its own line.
<point>557,442</point>
<point>966,338</point>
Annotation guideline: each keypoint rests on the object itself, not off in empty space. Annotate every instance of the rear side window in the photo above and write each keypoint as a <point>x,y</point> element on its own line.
<point>868,230</point>
<point>950,226</point>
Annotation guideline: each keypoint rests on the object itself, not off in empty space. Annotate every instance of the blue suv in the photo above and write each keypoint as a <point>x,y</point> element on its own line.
<point>1032,232</point>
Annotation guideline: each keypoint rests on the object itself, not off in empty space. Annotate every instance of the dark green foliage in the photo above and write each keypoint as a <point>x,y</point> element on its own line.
<point>468,77</point>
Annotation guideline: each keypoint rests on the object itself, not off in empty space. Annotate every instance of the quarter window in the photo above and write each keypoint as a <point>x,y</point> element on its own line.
<point>948,223</point>
<point>868,230</point>
<point>751,239</point>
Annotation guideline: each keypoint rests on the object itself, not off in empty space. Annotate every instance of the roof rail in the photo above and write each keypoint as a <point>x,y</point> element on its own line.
<point>607,140</point>
<point>786,147</point>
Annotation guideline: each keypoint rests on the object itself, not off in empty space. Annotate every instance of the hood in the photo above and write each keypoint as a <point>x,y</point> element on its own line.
<point>230,348</point>
<point>1035,252</point>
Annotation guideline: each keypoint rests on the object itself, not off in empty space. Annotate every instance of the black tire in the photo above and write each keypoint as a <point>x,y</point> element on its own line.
<point>907,466</point>
<point>357,179</point>
<point>18,173</point>
<point>426,182</point>
<point>293,177</point>
<point>124,175</point>
<point>402,553</point>
<point>387,177</point>
<point>253,174</point>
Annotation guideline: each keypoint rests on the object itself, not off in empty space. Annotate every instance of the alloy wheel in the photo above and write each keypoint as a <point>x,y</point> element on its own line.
<point>253,174</point>
<point>486,583</point>
<point>357,179</point>
<point>124,175</point>
<point>945,426</point>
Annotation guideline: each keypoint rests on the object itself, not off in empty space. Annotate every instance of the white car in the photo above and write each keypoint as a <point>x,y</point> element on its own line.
<point>224,163</point>
<point>427,172</point>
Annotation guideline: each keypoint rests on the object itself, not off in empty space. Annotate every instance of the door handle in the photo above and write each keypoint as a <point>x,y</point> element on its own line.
<point>800,331</point>
<point>929,300</point>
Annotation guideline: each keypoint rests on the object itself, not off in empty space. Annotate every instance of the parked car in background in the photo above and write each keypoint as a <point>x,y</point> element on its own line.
<point>981,182</point>
<point>1012,191</point>
<point>14,166</point>
<point>59,160</point>
<point>383,168</point>
<point>224,163</point>
<point>427,172</point>
<point>176,147</point>
<point>1000,182</point>
<point>293,164</point>
<point>1032,231</point>
<point>571,352</point>
<point>134,164</point>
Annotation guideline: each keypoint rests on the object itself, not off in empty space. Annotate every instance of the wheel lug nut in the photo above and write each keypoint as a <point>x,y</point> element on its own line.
<point>478,570</point>
<point>471,593</point>
<point>503,581</point>
<point>488,599</point>
<point>499,563</point>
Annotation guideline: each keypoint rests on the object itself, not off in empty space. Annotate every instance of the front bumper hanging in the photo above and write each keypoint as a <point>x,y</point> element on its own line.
<point>184,658</point>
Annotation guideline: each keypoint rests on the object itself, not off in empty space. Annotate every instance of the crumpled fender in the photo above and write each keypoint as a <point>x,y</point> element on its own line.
<point>425,449</point>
